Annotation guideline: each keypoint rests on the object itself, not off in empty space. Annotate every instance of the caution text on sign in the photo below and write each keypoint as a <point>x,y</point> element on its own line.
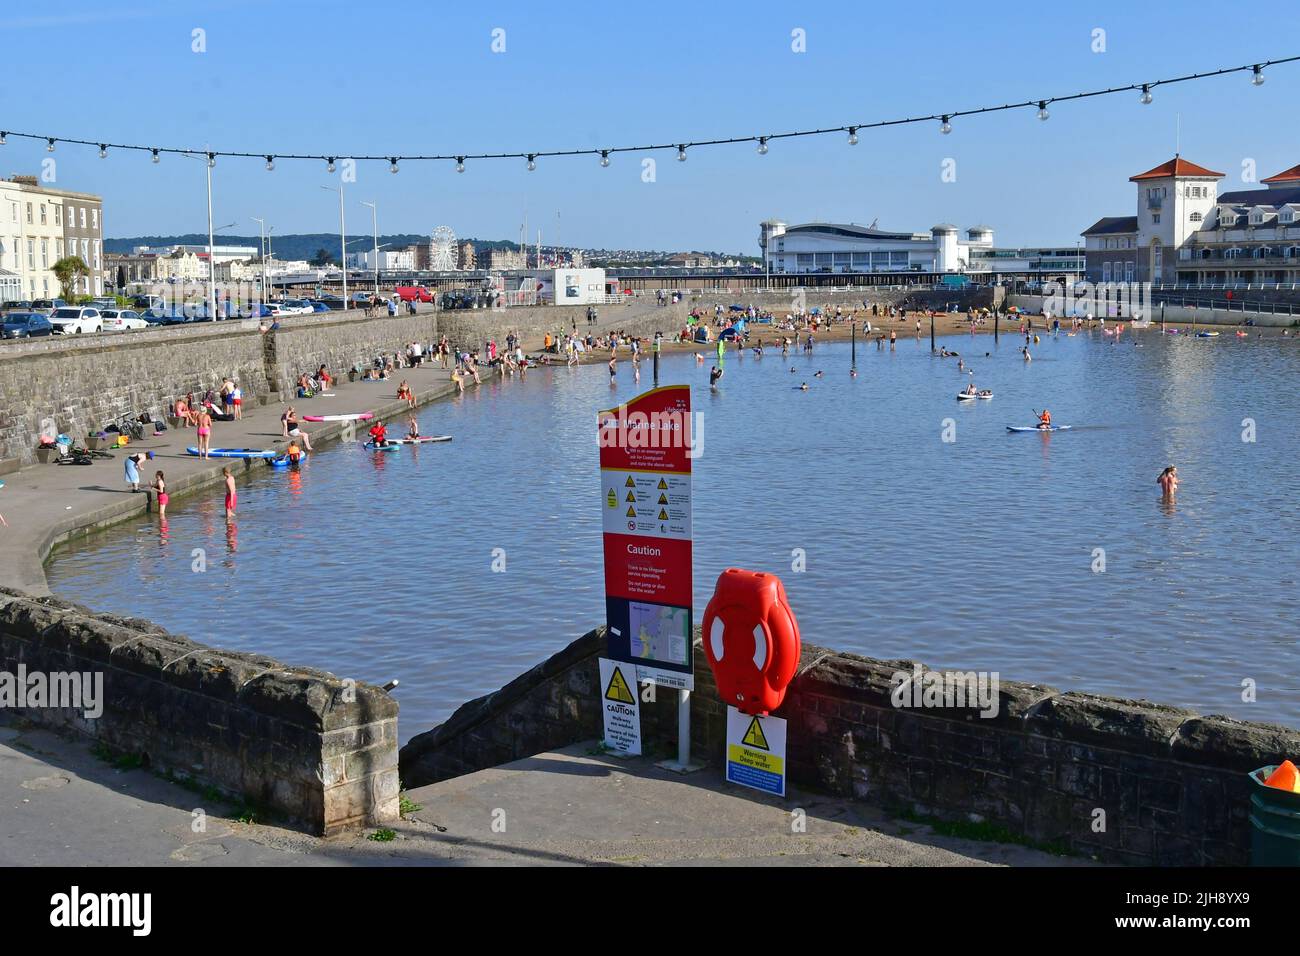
<point>756,751</point>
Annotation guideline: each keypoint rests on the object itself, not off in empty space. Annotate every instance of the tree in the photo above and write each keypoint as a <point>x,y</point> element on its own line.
<point>121,277</point>
<point>322,258</point>
<point>68,270</point>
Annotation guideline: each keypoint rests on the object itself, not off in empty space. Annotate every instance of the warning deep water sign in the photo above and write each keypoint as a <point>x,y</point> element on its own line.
<point>756,751</point>
<point>620,707</point>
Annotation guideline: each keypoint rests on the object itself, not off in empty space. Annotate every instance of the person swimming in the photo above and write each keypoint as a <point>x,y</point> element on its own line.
<point>1168,481</point>
<point>1025,353</point>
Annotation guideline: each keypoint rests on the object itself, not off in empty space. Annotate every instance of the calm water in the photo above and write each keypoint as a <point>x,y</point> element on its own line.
<point>975,554</point>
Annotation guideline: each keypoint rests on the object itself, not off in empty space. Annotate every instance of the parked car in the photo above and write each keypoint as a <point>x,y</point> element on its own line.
<point>332,302</point>
<point>22,325</point>
<point>298,306</point>
<point>154,317</point>
<point>76,319</point>
<point>22,305</point>
<point>319,307</point>
<point>104,302</point>
<point>142,303</point>
<point>122,320</point>
<point>275,310</point>
<point>47,305</point>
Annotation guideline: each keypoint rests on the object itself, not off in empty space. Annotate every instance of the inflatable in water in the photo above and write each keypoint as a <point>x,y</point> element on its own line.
<point>234,452</point>
<point>354,417</point>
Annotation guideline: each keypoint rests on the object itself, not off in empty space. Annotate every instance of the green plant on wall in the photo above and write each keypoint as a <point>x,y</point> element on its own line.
<point>68,270</point>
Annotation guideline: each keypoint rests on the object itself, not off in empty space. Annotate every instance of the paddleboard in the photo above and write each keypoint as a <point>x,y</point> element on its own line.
<point>963,397</point>
<point>390,446</point>
<point>284,462</point>
<point>1035,428</point>
<point>423,439</point>
<point>1207,335</point>
<point>234,452</point>
<point>355,417</point>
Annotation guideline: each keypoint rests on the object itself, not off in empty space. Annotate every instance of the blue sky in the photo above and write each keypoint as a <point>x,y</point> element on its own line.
<point>399,77</point>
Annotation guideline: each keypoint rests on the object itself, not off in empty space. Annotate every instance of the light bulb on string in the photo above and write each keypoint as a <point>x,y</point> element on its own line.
<point>945,127</point>
<point>329,167</point>
<point>604,157</point>
<point>762,146</point>
<point>103,151</point>
<point>1042,110</point>
<point>212,160</point>
<point>270,163</point>
<point>1258,77</point>
<point>853,136</point>
<point>532,161</point>
<point>460,164</point>
<point>49,147</point>
<point>156,157</point>
<point>1145,98</point>
<point>681,154</point>
<point>392,164</point>
<point>3,137</point>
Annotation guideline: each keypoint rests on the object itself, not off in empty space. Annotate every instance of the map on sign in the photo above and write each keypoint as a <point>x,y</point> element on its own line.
<point>659,633</point>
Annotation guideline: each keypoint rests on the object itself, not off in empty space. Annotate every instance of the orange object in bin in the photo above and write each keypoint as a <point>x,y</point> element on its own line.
<point>1285,777</point>
<point>751,639</point>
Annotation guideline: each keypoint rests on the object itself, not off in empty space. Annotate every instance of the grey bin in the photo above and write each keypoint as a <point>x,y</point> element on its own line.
<point>1274,823</point>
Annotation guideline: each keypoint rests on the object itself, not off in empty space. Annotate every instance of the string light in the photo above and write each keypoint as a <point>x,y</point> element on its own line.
<point>270,163</point>
<point>532,161</point>
<point>392,164</point>
<point>329,167</point>
<point>1256,70</point>
<point>103,151</point>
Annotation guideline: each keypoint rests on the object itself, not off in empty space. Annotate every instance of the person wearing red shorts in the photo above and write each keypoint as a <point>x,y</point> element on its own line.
<point>231,497</point>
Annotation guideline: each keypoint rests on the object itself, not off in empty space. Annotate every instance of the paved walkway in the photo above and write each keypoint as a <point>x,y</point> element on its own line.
<point>44,504</point>
<point>62,806</point>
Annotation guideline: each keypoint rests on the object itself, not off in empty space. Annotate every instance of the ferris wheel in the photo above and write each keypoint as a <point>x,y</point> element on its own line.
<point>442,249</point>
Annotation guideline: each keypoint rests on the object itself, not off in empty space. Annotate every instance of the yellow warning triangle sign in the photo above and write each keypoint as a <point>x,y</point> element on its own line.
<point>663,499</point>
<point>754,736</point>
<point>629,483</point>
<point>631,512</point>
<point>663,514</point>
<point>662,484</point>
<point>618,689</point>
<point>631,496</point>
<point>613,499</point>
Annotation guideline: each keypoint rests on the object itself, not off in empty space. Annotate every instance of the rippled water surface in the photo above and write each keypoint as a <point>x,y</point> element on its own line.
<point>977,553</point>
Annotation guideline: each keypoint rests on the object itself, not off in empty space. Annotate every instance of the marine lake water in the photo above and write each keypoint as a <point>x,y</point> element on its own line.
<point>977,553</point>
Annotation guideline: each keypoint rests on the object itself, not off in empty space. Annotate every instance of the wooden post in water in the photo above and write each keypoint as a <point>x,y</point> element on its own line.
<point>996,313</point>
<point>854,331</point>
<point>931,330</point>
<point>656,366</point>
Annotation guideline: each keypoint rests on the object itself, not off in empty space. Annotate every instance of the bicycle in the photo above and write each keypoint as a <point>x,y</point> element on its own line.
<point>90,452</point>
<point>129,425</point>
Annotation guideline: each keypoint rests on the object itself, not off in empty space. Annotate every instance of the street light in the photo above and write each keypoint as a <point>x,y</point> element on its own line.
<point>374,215</point>
<point>343,240</point>
<point>261,250</point>
<point>208,163</point>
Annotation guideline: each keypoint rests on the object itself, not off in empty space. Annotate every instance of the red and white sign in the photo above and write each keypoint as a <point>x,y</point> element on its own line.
<point>645,471</point>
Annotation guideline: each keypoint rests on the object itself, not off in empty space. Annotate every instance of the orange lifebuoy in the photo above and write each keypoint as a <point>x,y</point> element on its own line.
<point>751,639</point>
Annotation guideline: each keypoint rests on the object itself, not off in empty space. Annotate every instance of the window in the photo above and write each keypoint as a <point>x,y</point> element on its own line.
<point>1128,272</point>
<point>29,214</point>
<point>94,218</point>
<point>42,214</point>
<point>31,253</point>
<point>83,217</point>
<point>1195,217</point>
<point>1105,272</point>
<point>96,253</point>
<point>1155,218</point>
<point>45,254</point>
<point>1159,259</point>
<point>58,215</point>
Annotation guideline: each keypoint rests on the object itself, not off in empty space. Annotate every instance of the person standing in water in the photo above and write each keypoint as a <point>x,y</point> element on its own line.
<point>715,373</point>
<point>613,369</point>
<point>1168,481</point>
<point>231,497</point>
<point>160,487</point>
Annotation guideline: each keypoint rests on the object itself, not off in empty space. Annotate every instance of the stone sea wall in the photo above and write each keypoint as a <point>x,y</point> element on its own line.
<point>300,743</point>
<point>1124,781</point>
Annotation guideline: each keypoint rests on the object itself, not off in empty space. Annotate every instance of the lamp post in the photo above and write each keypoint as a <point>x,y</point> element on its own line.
<point>261,251</point>
<point>209,161</point>
<point>343,240</point>
<point>374,215</point>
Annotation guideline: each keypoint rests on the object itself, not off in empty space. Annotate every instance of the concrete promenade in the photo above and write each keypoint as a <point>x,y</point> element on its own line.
<point>63,806</point>
<point>46,504</point>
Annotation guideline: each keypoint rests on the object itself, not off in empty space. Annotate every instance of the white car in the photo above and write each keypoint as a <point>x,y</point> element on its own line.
<point>275,309</point>
<point>74,320</point>
<point>295,307</point>
<point>122,320</point>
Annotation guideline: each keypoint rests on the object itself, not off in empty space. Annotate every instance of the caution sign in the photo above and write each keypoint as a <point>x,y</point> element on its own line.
<point>620,707</point>
<point>756,752</point>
